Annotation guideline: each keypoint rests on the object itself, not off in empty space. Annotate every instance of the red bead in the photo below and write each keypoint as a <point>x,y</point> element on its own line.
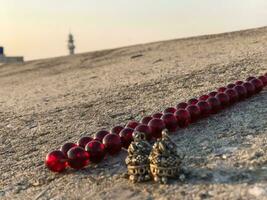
<point>82,142</point>
<point>157,115</point>
<point>192,101</point>
<point>250,78</point>
<point>156,126</point>
<point>263,79</point>
<point>78,158</point>
<point>112,143</point>
<point>56,161</point>
<point>66,147</point>
<point>100,135</point>
<point>205,108</point>
<point>143,128</point>
<point>182,117</point>
<point>126,135</point>
<point>257,84</point>
<point>230,85</point>
<point>223,99</point>
<point>239,82</point>
<point>181,105</point>
<point>232,94</point>
<point>132,124</point>
<point>146,120</point>
<point>241,91</point>
<point>213,94</point>
<point>169,110</point>
<point>116,129</point>
<point>170,121</point>
<point>250,88</point>
<point>194,112</point>
<point>203,97</point>
<point>215,104</point>
<point>222,89</point>
<point>96,151</point>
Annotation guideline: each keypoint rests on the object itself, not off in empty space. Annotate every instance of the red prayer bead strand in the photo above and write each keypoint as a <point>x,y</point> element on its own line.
<point>78,157</point>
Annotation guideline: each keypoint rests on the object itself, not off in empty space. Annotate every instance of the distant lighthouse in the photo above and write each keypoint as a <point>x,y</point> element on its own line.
<point>71,45</point>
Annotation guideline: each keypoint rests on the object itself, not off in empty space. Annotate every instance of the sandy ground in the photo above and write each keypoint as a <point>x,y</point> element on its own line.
<point>45,103</point>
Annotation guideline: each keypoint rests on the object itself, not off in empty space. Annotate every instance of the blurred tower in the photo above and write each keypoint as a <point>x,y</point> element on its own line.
<point>2,51</point>
<point>71,45</point>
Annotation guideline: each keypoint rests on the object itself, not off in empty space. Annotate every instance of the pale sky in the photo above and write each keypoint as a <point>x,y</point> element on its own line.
<point>39,28</point>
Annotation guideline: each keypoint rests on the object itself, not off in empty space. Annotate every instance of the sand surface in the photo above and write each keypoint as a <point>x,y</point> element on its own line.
<point>45,103</point>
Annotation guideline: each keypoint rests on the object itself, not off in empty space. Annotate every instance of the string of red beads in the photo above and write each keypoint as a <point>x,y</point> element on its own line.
<point>87,149</point>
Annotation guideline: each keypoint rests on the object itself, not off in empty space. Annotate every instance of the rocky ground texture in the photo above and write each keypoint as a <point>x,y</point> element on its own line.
<point>45,103</point>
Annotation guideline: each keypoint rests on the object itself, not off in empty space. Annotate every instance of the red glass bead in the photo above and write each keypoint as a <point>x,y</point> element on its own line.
<point>143,128</point>
<point>112,143</point>
<point>56,161</point>
<point>194,112</point>
<point>215,104</point>
<point>100,135</point>
<point>78,158</point>
<point>170,121</point>
<point>250,88</point>
<point>205,108</point>
<point>182,117</point>
<point>96,151</point>
<point>192,101</point>
<point>82,142</point>
<point>222,89</point>
<point>181,105</point>
<point>241,91</point>
<point>263,79</point>
<point>132,124</point>
<point>257,84</point>
<point>157,115</point>
<point>126,135</point>
<point>232,94</point>
<point>116,129</point>
<point>146,120</point>
<point>250,78</point>
<point>203,97</point>
<point>169,110</point>
<point>156,126</point>
<point>66,147</point>
<point>213,94</point>
<point>223,99</point>
<point>230,85</point>
<point>239,82</point>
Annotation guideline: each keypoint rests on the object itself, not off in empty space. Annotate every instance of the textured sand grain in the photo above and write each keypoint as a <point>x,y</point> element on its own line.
<point>45,103</point>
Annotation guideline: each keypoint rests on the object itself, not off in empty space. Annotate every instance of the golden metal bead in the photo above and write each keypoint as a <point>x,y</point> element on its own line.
<point>164,159</point>
<point>137,160</point>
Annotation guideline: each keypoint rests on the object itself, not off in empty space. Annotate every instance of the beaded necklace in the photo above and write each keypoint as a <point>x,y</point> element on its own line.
<point>87,149</point>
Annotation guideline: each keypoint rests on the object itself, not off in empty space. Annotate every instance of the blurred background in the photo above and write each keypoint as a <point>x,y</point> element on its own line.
<point>39,29</point>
